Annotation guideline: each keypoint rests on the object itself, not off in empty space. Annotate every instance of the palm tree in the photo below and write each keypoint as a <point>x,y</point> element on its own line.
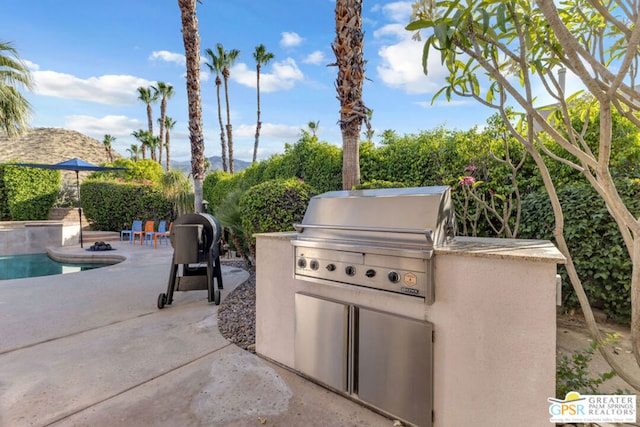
<point>216,66</point>
<point>191,40</point>
<point>262,57</point>
<point>313,127</point>
<point>169,123</point>
<point>134,152</point>
<point>108,139</point>
<point>14,108</point>
<point>227,59</point>
<point>152,142</point>
<point>137,134</point>
<point>145,95</point>
<point>347,47</point>
<point>164,91</point>
<point>144,137</point>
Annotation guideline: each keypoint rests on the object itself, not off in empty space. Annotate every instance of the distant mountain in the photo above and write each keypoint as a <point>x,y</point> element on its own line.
<point>52,145</point>
<point>214,161</point>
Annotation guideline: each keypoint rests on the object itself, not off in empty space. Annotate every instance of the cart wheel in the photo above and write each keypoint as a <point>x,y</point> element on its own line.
<point>162,300</point>
<point>216,297</point>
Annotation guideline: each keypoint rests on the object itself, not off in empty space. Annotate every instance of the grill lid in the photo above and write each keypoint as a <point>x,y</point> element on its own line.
<point>417,216</point>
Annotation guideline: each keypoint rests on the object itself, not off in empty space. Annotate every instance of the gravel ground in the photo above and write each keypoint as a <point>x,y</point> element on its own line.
<point>237,313</point>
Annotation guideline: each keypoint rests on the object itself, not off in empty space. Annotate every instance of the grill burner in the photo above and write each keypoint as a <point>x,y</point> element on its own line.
<point>380,239</point>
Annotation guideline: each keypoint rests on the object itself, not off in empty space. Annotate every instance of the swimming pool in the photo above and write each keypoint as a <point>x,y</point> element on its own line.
<point>34,265</point>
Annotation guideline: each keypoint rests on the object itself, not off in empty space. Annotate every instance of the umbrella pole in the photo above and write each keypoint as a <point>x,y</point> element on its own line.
<point>79,205</point>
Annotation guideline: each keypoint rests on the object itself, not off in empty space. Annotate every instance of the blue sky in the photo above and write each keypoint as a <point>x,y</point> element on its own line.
<point>89,57</point>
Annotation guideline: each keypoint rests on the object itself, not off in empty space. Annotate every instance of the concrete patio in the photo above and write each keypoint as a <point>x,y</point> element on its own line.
<point>92,349</point>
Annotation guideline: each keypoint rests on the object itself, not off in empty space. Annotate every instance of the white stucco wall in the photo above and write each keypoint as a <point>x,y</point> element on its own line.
<point>494,323</point>
<point>34,237</point>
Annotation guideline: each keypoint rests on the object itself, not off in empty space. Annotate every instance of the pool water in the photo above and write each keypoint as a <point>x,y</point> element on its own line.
<point>34,265</point>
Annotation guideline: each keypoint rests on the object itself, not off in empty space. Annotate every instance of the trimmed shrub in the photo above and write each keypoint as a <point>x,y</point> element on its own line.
<point>30,193</point>
<point>274,206</point>
<point>217,185</point>
<point>378,184</point>
<point>145,170</point>
<point>599,253</point>
<point>317,163</point>
<point>112,206</point>
<point>4,201</point>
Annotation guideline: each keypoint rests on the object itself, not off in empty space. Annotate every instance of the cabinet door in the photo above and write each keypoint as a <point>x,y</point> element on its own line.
<point>321,340</point>
<point>394,365</point>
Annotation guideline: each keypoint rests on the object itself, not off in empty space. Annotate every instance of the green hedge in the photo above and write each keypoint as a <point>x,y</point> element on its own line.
<point>274,206</point>
<point>27,193</point>
<point>112,206</point>
<point>319,164</point>
<point>596,245</point>
<point>217,185</point>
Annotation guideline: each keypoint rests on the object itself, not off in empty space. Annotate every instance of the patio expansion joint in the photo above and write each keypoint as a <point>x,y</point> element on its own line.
<point>72,334</point>
<point>133,387</point>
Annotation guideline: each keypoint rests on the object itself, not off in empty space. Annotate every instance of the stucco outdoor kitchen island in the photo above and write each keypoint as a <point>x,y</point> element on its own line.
<point>493,319</point>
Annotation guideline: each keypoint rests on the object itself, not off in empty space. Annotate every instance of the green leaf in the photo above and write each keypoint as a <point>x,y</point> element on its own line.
<point>441,31</point>
<point>419,24</point>
<point>486,19</point>
<point>501,16</point>
<point>425,55</point>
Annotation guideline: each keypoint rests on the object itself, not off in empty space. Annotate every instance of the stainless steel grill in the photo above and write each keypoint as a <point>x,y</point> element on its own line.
<point>382,239</point>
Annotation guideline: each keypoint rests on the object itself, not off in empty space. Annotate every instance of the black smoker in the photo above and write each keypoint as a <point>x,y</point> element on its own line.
<point>195,239</point>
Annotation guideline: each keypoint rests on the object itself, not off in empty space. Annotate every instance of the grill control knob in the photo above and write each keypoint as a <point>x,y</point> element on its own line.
<point>394,276</point>
<point>331,267</point>
<point>302,263</point>
<point>370,273</point>
<point>314,264</point>
<point>350,270</point>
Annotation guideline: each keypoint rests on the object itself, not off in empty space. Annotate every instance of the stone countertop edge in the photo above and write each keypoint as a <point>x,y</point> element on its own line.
<point>517,249</point>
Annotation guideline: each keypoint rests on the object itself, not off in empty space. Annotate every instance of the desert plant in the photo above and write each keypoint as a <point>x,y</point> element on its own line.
<point>177,188</point>
<point>572,371</point>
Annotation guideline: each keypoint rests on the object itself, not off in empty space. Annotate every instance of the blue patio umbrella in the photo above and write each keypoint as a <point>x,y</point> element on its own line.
<point>77,166</point>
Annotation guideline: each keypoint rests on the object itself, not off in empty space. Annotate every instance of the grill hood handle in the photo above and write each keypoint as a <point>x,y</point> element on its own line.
<point>426,231</point>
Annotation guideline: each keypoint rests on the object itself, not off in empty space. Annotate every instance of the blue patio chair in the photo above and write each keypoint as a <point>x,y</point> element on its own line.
<point>135,226</point>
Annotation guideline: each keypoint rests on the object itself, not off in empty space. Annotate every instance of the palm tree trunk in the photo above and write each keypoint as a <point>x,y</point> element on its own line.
<point>223,139</point>
<point>191,39</point>
<point>258,123</point>
<point>350,156</point>
<point>166,146</point>
<point>348,47</point>
<point>150,118</point>
<point>163,112</point>
<point>229,133</point>
<point>230,147</point>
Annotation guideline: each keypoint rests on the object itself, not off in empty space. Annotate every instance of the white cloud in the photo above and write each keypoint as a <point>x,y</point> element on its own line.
<point>166,56</point>
<point>31,65</point>
<point>118,126</point>
<point>401,63</point>
<point>398,11</point>
<point>284,76</point>
<point>290,39</point>
<point>107,89</point>
<point>315,58</point>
